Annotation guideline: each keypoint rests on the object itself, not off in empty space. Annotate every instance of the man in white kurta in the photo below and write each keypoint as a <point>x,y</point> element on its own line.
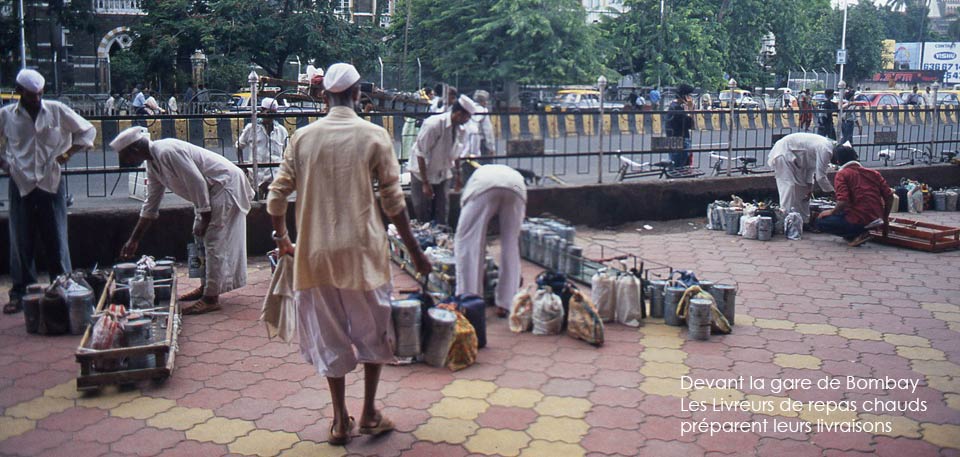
<point>270,137</point>
<point>221,197</point>
<point>40,136</point>
<point>493,190</point>
<point>799,161</point>
<point>431,164</point>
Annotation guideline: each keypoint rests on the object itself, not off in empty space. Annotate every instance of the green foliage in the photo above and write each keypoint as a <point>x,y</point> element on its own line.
<point>526,41</point>
<point>126,70</point>
<point>236,33</point>
<point>865,32</point>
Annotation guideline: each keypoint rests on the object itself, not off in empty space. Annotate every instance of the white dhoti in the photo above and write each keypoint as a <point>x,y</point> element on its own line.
<point>226,246</point>
<point>795,197</point>
<point>470,247</point>
<point>340,327</point>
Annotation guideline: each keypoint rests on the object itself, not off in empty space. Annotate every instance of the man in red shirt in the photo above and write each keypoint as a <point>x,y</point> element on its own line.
<point>864,200</point>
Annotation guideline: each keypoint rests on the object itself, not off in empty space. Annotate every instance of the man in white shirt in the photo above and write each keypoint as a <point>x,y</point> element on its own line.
<point>172,106</point>
<point>432,162</point>
<point>220,194</point>
<point>138,102</point>
<point>40,136</point>
<point>270,137</point>
<point>493,190</point>
<point>799,160</point>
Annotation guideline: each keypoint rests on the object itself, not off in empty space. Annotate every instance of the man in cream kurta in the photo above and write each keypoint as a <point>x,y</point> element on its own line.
<point>221,197</point>
<point>799,160</point>
<point>40,136</point>
<point>341,260</point>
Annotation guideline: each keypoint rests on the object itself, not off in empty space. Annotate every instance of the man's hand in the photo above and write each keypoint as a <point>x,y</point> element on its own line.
<point>4,165</point>
<point>284,247</point>
<point>427,189</point>
<point>824,214</point>
<point>129,249</point>
<point>422,263</point>
<point>200,228</point>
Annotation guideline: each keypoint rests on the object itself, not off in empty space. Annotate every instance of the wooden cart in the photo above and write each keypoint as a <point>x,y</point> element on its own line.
<point>164,351</point>
<point>918,235</point>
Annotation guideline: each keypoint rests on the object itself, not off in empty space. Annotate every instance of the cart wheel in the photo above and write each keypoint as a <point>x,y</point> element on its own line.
<point>160,379</point>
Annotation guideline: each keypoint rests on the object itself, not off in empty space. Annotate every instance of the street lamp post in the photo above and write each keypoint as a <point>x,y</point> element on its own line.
<point>732,85</point>
<point>601,85</point>
<point>254,79</point>
<point>936,117</point>
<point>842,86</point>
<point>23,40</point>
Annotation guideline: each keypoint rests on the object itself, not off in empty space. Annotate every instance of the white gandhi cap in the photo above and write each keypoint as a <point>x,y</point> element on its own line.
<point>340,77</point>
<point>31,80</point>
<point>128,137</point>
<point>468,105</point>
<point>269,104</point>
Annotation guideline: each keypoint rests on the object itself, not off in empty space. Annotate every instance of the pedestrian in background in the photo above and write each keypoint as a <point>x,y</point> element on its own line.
<point>109,106</point>
<point>806,110</point>
<point>825,116</point>
<point>41,136</point>
<point>138,101</point>
<point>342,277</point>
<point>270,137</point>
<point>850,119</point>
<point>679,124</point>
<point>172,106</point>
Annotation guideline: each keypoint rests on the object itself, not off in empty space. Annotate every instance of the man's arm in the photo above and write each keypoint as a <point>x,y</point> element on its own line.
<point>130,247</point>
<point>282,186</point>
<point>82,130</point>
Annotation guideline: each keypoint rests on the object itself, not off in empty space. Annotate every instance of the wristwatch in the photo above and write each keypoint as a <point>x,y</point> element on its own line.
<point>278,237</point>
<point>65,156</point>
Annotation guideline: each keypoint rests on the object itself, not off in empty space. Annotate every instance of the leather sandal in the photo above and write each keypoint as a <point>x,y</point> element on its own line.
<point>15,306</point>
<point>194,294</point>
<point>200,306</point>
<point>341,440</point>
<point>384,425</point>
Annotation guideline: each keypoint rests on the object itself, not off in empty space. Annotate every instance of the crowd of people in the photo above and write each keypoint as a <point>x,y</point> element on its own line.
<point>143,101</point>
<point>341,270</point>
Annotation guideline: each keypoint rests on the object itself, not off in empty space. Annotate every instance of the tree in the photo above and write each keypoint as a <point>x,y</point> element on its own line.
<point>865,33</point>
<point>796,38</point>
<point>522,41</point>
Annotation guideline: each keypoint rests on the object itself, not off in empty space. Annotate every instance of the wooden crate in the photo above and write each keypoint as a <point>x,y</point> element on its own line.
<point>918,235</point>
<point>164,352</point>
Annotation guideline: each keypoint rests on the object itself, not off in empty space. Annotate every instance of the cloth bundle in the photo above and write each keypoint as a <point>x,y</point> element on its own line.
<point>718,323</point>
<point>463,351</point>
<point>584,322</point>
<point>793,226</point>
<point>279,312</point>
<point>629,305</point>
<point>521,312</point>
<point>603,293</point>
<point>547,312</point>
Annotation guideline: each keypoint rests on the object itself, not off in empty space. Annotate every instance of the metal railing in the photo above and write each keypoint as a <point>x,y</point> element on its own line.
<point>570,141</point>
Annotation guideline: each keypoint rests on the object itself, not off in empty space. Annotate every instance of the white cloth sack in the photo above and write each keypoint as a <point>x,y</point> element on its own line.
<point>748,226</point>
<point>629,311</point>
<point>915,200</point>
<point>279,312</point>
<point>603,293</point>
<point>547,313</point>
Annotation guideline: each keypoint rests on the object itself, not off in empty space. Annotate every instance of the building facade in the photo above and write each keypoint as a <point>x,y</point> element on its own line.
<point>80,62</point>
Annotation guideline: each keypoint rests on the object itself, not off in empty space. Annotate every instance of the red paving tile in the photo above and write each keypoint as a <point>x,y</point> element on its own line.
<point>427,449</point>
<point>507,417</point>
<point>288,419</point>
<point>194,449</point>
<point>73,419</point>
<point>110,430</point>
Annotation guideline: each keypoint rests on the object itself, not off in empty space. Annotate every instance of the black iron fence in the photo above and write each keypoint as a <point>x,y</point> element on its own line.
<point>568,147</point>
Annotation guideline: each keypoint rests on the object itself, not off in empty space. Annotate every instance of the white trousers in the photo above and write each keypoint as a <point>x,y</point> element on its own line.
<point>471,243</point>
<point>794,196</point>
<point>332,322</point>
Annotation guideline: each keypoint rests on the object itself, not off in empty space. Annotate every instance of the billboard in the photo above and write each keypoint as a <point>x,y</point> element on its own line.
<point>945,57</point>
<point>906,56</point>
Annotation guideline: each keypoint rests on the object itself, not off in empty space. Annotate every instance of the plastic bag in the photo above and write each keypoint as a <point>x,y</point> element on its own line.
<point>915,200</point>
<point>793,226</point>
<point>629,310</point>
<point>547,312</point>
<point>749,227</point>
<point>603,293</point>
<point>521,312</point>
<point>142,295</point>
<point>584,322</point>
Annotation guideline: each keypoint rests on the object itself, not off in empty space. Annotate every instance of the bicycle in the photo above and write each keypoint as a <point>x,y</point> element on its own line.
<point>744,165</point>
<point>925,156</point>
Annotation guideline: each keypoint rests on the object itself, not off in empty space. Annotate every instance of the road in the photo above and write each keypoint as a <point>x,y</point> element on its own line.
<point>571,159</point>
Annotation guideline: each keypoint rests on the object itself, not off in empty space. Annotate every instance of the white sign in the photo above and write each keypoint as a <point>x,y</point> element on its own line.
<point>841,56</point>
<point>945,57</point>
<point>906,56</point>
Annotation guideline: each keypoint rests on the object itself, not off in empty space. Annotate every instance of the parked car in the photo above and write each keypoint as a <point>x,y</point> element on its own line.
<point>580,100</point>
<point>819,97</point>
<point>948,97</point>
<point>877,99</point>
<point>905,97</point>
<point>742,99</point>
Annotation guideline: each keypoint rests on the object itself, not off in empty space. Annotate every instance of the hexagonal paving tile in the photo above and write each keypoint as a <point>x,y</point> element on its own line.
<point>180,418</point>
<point>797,361</point>
<point>443,430</point>
<point>521,398</point>
<point>311,449</point>
<point>142,408</point>
<point>263,443</point>
<point>39,408</point>
<point>497,442</point>
<point>946,435</point>
<point>459,408</point>
<point>563,407</point>
<point>664,387</point>
<point>538,448</point>
<point>465,388</point>
<point>558,429</point>
<point>219,430</point>
<point>12,426</point>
